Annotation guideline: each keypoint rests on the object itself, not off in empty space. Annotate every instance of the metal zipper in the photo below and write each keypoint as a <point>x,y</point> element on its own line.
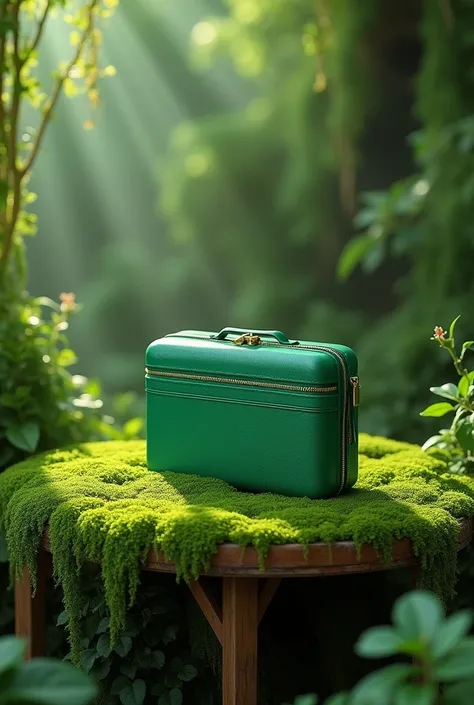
<point>354,381</point>
<point>245,382</point>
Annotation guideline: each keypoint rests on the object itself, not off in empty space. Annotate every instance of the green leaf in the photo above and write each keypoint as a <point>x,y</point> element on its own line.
<point>306,700</point>
<point>378,642</point>
<point>439,409</point>
<point>157,659</point>
<point>448,391</point>
<point>338,699</point>
<point>463,386</point>
<point>66,358</point>
<point>354,252</point>
<point>453,326</point>
<point>51,682</point>
<point>62,619</point>
<point>119,684</point>
<point>97,603</point>
<point>12,652</point>
<point>187,673</point>
<point>170,634</point>
<point>459,664</point>
<point>466,346</point>
<point>24,437</point>
<point>451,632</point>
<point>379,687</point>
<point>103,670</point>
<point>133,427</point>
<point>88,659</point>
<point>129,669</point>
<point>433,441</point>
<point>103,625</point>
<point>134,694</point>
<point>124,647</point>
<point>417,616</point>
<point>464,433</point>
<point>103,645</point>
<point>176,697</point>
<point>459,693</point>
<point>411,694</point>
<point>164,699</point>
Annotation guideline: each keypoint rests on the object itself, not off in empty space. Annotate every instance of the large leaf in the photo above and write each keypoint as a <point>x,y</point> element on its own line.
<point>103,645</point>
<point>51,682</point>
<point>11,652</point>
<point>378,688</point>
<point>414,694</point>
<point>24,437</point>
<point>134,694</point>
<point>417,616</point>
<point>439,409</point>
<point>459,664</point>
<point>454,629</point>
<point>449,391</point>
<point>88,659</point>
<point>124,646</point>
<point>378,642</point>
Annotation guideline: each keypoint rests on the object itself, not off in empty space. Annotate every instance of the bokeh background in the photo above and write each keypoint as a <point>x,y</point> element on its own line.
<point>305,166</point>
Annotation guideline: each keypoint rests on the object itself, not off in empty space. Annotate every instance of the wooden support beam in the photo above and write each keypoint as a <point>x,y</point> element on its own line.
<point>210,609</point>
<point>240,630</point>
<point>30,609</point>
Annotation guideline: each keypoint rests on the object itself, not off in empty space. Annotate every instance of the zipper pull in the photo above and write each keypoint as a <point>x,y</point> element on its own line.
<point>355,391</point>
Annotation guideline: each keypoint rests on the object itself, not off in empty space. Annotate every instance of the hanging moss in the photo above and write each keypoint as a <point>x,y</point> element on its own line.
<point>103,505</point>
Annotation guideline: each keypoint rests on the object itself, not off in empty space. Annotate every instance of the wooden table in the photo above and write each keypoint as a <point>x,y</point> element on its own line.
<point>246,593</point>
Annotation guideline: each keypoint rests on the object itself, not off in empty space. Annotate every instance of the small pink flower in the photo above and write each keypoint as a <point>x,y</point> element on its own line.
<point>439,333</point>
<point>68,302</point>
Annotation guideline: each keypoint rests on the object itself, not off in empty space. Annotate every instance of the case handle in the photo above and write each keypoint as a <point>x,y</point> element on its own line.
<point>253,337</point>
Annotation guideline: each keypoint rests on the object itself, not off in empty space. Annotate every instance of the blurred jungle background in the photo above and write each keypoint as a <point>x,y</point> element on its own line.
<point>303,165</point>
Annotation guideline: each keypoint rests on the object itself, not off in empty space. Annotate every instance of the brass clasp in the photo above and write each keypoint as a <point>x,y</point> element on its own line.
<point>247,339</point>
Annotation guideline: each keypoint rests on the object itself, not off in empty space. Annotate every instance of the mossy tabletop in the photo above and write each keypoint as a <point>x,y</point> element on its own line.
<point>103,505</point>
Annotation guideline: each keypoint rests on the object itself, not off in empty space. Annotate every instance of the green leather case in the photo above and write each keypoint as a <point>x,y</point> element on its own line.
<point>257,410</point>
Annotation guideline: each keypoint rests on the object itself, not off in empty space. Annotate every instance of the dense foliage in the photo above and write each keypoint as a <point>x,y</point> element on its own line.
<point>42,405</point>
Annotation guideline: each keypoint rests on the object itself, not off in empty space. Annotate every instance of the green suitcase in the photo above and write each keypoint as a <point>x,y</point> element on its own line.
<point>260,411</point>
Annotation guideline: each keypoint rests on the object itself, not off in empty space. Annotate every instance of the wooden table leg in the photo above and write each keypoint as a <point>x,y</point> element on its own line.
<point>30,610</point>
<point>239,643</point>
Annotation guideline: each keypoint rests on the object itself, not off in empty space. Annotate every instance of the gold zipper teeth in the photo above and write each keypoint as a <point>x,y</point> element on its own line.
<point>245,382</point>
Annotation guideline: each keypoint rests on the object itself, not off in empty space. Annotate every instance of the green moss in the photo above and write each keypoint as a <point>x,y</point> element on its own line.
<point>103,505</point>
